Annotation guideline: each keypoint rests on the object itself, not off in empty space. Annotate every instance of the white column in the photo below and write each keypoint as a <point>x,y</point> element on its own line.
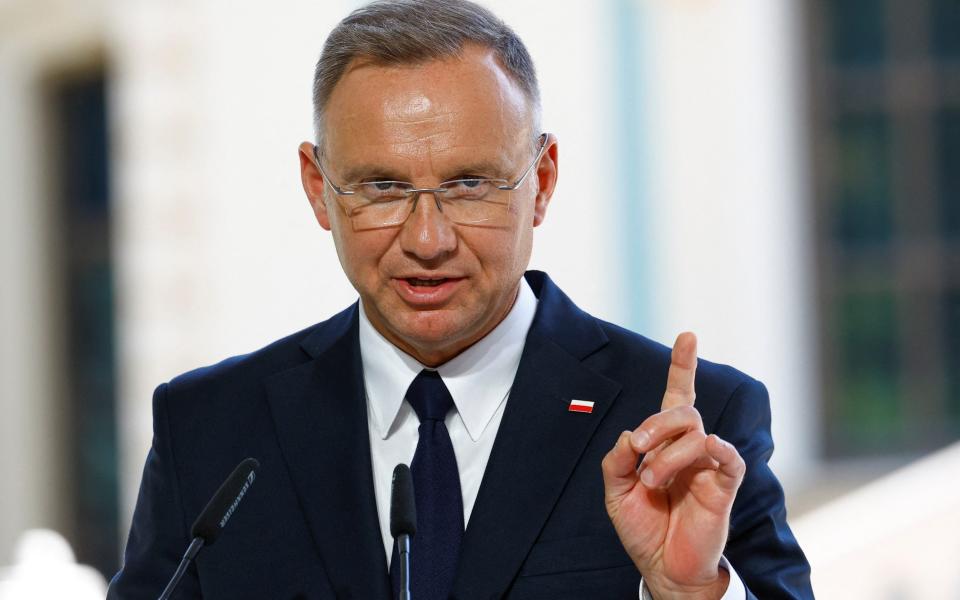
<point>218,253</point>
<point>724,116</point>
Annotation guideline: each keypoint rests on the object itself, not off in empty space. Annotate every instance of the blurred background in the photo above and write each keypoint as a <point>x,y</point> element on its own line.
<point>782,177</point>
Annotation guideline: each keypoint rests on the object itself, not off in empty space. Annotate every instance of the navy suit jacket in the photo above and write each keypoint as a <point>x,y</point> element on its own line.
<point>308,526</point>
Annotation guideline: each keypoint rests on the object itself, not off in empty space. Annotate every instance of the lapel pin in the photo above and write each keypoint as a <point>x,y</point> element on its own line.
<point>582,406</point>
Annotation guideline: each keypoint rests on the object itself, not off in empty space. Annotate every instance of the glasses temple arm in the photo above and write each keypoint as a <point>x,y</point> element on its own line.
<point>543,147</point>
<point>336,188</point>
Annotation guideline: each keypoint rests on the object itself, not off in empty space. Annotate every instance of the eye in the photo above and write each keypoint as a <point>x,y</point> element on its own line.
<point>383,191</point>
<point>468,188</point>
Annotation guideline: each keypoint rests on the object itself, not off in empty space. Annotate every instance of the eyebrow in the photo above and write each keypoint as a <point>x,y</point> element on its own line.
<point>357,173</point>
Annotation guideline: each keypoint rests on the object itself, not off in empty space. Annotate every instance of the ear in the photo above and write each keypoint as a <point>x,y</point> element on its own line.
<point>547,170</point>
<point>313,184</point>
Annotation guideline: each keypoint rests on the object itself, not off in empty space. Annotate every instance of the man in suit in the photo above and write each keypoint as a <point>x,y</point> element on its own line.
<point>524,418</point>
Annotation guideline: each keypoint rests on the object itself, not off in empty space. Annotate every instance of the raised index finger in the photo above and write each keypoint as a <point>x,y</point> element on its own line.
<point>683,368</point>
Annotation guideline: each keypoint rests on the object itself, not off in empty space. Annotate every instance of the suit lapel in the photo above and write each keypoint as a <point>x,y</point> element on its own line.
<point>319,409</point>
<point>537,447</point>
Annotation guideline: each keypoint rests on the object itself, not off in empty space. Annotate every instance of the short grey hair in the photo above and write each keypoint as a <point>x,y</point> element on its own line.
<point>409,32</point>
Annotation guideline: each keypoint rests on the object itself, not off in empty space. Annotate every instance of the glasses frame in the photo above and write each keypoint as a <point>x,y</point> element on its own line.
<point>437,192</point>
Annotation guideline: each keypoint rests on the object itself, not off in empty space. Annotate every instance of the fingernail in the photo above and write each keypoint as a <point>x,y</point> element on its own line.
<point>647,478</point>
<point>640,439</point>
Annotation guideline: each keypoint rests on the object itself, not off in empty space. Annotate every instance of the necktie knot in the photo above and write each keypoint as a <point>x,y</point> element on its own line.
<point>429,397</point>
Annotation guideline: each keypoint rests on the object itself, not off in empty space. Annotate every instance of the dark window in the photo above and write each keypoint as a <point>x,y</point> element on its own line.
<point>863,207</point>
<point>946,28</point>
<point>952,329</point>
<point>885,80</point>
<point>868,416</point>
<point>857,31</point>
<point>79,147</point>
<point>948,129</point>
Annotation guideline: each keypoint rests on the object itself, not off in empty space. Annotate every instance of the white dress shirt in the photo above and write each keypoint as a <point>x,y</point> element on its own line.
<point>479,380</point>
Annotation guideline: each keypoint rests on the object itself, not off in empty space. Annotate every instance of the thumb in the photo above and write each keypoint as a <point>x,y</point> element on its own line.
<point>619,468</point>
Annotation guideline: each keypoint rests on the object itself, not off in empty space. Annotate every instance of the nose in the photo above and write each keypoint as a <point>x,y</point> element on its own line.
<point>427,233</point>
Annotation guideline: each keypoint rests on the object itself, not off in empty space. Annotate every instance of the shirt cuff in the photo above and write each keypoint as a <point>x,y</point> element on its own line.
<point>735,589</point>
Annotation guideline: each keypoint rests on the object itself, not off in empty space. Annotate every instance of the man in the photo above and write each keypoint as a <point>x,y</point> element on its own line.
<point>523,417</point>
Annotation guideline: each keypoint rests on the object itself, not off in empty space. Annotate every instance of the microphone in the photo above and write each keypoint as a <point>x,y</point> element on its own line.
<point>206,529</point>
<point>403,522</point>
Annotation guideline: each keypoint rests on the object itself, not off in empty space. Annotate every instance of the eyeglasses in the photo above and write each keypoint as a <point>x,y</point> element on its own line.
<point>467,201</point>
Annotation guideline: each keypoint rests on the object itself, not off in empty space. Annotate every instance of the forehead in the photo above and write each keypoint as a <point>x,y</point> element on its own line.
<point>437,110</point>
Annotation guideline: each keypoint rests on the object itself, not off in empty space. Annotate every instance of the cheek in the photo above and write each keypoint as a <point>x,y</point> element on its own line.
<point>504,255</point>
<point>521,239</point>
<point>360,254</point>
<point>523,249</point>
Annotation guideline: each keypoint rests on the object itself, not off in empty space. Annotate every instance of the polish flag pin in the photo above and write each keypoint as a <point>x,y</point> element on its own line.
<point>581,406</point>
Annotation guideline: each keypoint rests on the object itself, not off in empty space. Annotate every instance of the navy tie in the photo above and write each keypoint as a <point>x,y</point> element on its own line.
<point>435,548</point>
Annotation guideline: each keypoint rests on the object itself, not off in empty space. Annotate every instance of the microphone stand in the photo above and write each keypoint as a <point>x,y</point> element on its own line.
<point>403,552</point>
<point>188,556</point>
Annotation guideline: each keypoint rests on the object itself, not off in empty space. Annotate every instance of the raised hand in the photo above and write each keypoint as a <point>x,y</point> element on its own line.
<point>673,512</point>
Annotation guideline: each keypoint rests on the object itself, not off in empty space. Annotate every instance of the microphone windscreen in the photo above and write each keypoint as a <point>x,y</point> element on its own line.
<point>403,507</point>
<point>223,504</point>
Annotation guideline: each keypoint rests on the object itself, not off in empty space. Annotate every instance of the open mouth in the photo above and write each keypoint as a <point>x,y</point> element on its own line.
<point>428,292</point>
<point>425,282</point>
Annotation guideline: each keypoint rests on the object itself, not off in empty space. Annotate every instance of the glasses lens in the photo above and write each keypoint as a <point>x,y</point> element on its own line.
<point>378,204</point>
<point>464,201</point>
<point>469,201</point>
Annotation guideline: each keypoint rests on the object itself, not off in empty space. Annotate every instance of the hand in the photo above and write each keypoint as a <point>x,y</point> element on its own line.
<point>673,512</point>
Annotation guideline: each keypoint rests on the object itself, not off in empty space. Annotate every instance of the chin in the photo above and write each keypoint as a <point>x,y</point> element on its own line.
<point>433,331</point>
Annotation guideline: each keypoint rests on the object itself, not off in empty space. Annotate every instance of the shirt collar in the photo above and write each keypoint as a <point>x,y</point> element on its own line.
<point>479,378</point>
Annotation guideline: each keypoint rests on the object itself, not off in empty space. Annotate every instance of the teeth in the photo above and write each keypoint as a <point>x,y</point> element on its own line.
<point>426,282</point>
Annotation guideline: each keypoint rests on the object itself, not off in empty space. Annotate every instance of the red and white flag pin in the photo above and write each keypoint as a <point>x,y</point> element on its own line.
<point>581,406</point>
